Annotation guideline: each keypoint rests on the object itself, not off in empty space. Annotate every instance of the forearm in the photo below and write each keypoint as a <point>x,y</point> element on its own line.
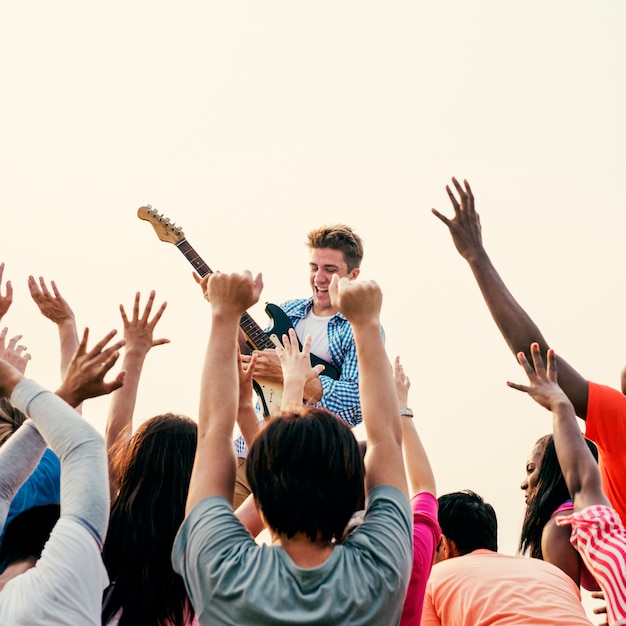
<point>419,470</point>
<point>384,464</point>
<point>293,393</point>
<point>519,330</point>
<point>248,422</point>
<point>516,326</point>
<point>580,470</point>
<point>123,400</point>
<point>68,339</point>
<point>84,485</point>
<point>214,466</point>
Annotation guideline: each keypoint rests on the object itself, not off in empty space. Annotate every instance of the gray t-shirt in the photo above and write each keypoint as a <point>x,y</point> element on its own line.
<point>232,580</point>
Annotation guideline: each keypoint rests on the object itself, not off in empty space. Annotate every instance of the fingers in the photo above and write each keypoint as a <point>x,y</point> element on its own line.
<point>43,287</point>
<point>98,348</point>
<point>116,383</point>
<point>517,386</point>
<point>453,200</point>
<point>55,289</point>
<point>124,316</point>
<point>158,314</point>
<point>443,218</point>
<point>539,366</point>
<point>136,307</point>
<point>13,341</point>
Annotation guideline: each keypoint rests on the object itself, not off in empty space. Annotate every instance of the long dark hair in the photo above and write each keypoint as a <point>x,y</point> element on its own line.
<point>154,473</point>
<point>551,492</point>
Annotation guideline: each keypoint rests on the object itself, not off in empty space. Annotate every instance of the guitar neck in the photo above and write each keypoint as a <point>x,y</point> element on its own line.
<point>255,335</point>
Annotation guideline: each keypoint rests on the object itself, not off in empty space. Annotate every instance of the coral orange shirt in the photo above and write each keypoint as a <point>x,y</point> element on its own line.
<point>606,427</point>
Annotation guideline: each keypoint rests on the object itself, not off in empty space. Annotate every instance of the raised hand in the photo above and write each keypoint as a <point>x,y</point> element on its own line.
<point>139,329</point>
<point>360,302</point>
<point>543,388</point>
<point>296,363</point>
<point>231,294</point>
<point>52,305</point>
<point>85,375</point>
<point>6,300</point>
<point>13,353</point>
<point>403,384</point>
<point>465,225</point>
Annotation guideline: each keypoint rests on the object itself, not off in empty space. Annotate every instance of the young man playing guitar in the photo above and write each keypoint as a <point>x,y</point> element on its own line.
<point>333,250</point>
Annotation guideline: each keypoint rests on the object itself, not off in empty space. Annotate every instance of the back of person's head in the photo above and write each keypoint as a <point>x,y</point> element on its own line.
<point>10,419</point>
<point>154,473</point>
<point>469,521</point>
<point>338,237</point>
<point>306,473</point>
<point>550,493</point>
<point>27,533</point>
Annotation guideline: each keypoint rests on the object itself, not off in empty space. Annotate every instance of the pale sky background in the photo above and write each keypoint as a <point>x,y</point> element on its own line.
<point>250,123</point>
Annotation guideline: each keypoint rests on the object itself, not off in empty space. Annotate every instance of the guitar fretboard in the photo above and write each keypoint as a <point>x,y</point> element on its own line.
<point>253,332</point>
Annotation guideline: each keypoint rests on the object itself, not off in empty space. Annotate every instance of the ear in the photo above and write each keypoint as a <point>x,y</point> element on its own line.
<point>354,273</point>
<point>446,549</point>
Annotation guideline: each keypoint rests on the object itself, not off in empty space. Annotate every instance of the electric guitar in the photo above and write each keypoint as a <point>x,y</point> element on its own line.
<point>269,392</point>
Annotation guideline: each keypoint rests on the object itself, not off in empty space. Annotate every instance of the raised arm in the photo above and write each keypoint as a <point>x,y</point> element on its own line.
<point>579,468</point>
<point>84,490</point>
<point>138,335</point>
<point>7,299</point>
<point>57,310</point>
<point>419,471</point>
<point>214,466</point>
<point>517,328</point>
<point>360,303</point>
<point>247,419</point>
<point>23,449</point>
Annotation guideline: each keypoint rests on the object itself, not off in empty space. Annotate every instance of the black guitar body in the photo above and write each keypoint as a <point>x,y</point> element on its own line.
<point>281,325</point>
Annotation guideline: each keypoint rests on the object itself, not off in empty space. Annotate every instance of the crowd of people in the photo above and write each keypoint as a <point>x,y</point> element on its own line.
<point>174,522</point>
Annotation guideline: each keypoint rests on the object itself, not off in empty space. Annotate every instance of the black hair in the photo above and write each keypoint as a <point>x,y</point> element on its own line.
<point>306,473</point>
<point>27,533</point>
<point>551,492</point>
<point>469,521</point>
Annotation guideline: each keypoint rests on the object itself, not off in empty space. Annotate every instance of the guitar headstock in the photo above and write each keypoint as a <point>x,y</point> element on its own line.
<point>164,228</point>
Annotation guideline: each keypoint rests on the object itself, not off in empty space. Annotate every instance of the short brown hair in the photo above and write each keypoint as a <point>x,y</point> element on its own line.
<point>338,237</point>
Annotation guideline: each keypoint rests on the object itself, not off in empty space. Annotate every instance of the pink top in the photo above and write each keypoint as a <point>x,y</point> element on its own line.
<point>426,535</point>
<point>600,537</point>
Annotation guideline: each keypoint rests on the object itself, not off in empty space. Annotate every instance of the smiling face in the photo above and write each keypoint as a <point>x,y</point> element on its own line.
<point>323,263</point>
<point>533,466</point>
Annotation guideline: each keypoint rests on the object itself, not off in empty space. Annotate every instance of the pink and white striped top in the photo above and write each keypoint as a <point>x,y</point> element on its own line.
<point>599,535</point>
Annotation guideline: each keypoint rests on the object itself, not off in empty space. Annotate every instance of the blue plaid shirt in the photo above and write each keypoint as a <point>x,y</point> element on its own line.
<point>339,396</point>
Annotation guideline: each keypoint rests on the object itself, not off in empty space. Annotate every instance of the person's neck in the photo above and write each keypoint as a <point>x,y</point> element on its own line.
<point>302,550</point>
<point>323,312</point>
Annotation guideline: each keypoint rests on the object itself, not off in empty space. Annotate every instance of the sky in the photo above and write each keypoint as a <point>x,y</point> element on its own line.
<point>251,123</point>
